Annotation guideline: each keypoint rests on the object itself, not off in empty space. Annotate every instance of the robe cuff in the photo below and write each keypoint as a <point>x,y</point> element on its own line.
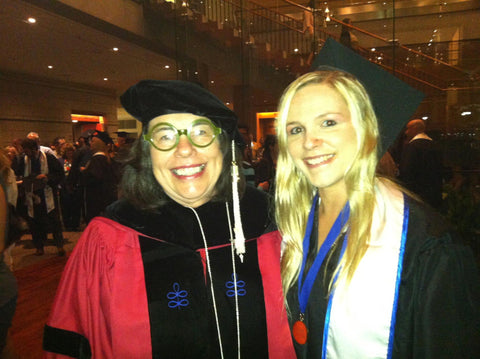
<point>65,342</point>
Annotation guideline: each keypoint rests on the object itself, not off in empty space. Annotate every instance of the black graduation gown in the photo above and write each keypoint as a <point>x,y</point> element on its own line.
<point>439,297</point>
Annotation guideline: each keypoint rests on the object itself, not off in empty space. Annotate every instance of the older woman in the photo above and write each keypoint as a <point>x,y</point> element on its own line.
<point>368,271</point>
<point>166,273</point>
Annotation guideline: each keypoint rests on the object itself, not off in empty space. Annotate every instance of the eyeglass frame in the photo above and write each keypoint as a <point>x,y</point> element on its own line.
<point>185,131</point>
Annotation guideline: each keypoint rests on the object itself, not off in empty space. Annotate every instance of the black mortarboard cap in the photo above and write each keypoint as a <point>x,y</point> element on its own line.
<point>393,100</point>
<point>104,136</point>
<point>152,98</point>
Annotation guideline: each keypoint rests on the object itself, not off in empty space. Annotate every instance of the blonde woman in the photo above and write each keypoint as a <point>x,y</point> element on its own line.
<point>368,272</point>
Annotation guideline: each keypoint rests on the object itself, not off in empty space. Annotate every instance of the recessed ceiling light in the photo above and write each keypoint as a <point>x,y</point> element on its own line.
<point>105,79</point>
<point>32,20</point>
<point>50,66</point>
<point>115,49</point>
<point>167,66</point>
<point>212,82</point>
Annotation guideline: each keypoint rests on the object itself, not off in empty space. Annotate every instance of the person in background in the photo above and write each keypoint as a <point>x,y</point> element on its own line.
<point>266,166</point>
<point>99,179</point>
<point>367,270</point>
<point>347,37</point>
<point>247,163</point>
<point>81,156</point>
<point>186,264</point>
<point>8,283</point>
<point>11,152</point>
<point>42,173</point>
<point>309,29</point>
<point>9,178</point>
<point>66,192</point>
<point>122,137</point>
<point>34,136</point>
<point>421,165</point>
<point>57,146</point>
<point>308,18</point>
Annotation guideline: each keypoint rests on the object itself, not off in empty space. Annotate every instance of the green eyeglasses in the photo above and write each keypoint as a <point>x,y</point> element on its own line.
<point>164,136</point>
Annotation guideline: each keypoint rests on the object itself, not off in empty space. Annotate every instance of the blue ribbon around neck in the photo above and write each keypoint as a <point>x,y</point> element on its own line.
<point>305,289</point>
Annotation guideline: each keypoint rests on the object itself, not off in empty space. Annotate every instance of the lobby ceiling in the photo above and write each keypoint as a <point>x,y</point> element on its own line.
<point>84,55</point>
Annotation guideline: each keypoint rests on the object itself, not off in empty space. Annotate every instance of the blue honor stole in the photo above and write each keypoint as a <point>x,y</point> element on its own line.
<point>299,330</point>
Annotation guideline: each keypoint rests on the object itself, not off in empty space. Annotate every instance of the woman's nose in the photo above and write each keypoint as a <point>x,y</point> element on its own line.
<point>312,140</point>
<point>184,147</point>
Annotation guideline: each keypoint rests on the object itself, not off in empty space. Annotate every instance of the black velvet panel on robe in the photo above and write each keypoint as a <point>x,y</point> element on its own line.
<point>178,286</point>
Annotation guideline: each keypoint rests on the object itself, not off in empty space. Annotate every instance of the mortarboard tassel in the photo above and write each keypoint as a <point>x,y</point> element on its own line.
<point>239,240</point>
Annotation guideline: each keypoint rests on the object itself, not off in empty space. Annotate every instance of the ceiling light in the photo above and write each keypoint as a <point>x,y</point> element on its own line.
<point>212,82</point>
<point>466,113</point>
<point>115,49</point>
<point>425,118</point>
<point>373,49</point>
<point>167,66</point>
<point>105,79</point>
<point>50,67</point>
<point>32,20</point>
<point>296,50</point>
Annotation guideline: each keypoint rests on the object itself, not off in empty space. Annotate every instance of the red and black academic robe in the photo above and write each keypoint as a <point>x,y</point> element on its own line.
<point>136,286</point>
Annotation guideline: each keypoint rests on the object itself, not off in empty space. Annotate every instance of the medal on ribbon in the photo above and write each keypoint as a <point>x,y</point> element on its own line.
<point>300,330</point>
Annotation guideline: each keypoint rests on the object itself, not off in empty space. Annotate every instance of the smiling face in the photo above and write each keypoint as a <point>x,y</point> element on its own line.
<point>321,138</point>
<point>187,174</point>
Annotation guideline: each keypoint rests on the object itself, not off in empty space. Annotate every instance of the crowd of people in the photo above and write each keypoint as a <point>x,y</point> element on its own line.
<point>61,187</point>
<point>195,260</point>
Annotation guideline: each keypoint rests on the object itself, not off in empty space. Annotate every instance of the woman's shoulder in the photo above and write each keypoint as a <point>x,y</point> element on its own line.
<point>105,232</point>
<point>427,229</point>
<point>432,243</point>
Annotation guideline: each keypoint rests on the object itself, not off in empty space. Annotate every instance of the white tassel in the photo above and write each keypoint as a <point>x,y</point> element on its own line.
<point>239,240</point>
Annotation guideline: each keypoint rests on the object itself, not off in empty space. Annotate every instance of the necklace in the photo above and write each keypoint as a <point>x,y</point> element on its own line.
<point>209,270</point>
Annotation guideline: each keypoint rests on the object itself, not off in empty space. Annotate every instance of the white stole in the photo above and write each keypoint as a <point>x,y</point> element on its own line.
<point>361,313</point>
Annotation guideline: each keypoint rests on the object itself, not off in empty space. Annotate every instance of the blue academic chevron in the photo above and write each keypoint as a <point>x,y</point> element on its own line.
<point>231,287</point>
<point>177,297</point>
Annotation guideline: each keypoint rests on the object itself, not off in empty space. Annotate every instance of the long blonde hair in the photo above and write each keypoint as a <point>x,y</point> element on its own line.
<point>294,193</point>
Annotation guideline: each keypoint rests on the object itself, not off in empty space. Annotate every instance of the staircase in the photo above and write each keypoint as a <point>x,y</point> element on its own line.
<point>277,41</point>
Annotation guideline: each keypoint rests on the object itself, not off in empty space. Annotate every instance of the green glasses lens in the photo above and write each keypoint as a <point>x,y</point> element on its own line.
<point>164,136</point>
<point>202,133</point>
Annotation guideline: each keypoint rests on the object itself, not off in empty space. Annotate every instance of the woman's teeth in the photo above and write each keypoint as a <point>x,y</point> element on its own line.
<point>318,160</point>
<point>188,171</point>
